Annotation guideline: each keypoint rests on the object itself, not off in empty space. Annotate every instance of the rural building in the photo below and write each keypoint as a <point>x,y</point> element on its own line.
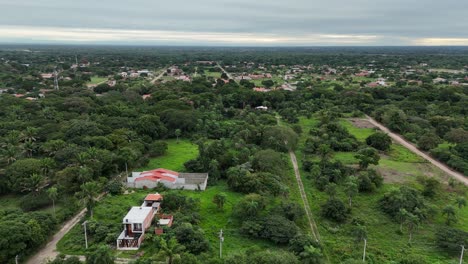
<point>138,221</point>
<point>170,179</point>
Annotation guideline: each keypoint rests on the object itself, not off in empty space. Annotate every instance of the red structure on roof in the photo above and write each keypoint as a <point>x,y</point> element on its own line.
<point>154,197</point>
<point>159,174</point>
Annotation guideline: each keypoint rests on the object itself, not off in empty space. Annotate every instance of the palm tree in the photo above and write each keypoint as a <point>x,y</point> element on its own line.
<point>170,249</point>
<point>46,165</point>
<point>88,195</point>
<point>461,202</point>
<point>12,138</point>
<point>35,184</point>
<point>53,194</point>
<point>449,211</point>
<point>29,135</point>
<point>28,148</point>
<point>10,154</point>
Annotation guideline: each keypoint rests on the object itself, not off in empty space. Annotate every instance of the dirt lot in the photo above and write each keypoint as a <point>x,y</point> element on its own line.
<point>361,123</point>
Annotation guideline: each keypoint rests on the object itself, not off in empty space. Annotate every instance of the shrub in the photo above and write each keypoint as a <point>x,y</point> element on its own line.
<point>380,141</point>
<point>31,202</point>
<point>334,209</point>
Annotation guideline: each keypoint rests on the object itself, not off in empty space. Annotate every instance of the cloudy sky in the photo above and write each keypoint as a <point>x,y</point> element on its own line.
<point>236,22</point>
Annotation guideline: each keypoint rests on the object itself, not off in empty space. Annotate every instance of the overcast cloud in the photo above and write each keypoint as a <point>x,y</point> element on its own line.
<point>236,22</point>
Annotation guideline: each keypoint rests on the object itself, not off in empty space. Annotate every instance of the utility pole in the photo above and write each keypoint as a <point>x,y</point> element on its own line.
<point>85,234</point>
<point>126,170</point>
<point>364,254</point>
<point>16,259</point>
<point>221,240</point>
<point>461,255</point>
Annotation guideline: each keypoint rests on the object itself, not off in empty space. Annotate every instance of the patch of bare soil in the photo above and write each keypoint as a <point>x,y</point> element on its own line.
<point>426,170</point>
<point>393,176</point>
<point>361,123</point>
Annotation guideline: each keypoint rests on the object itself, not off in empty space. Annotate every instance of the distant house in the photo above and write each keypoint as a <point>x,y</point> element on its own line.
<point>146,96</point>
<point>47,75</point>
<point>261,107</point>
<point>439,80</point>
<point>261,89</point>
<point>170,179</point>
<point>124,74</point>
<point>184,78</point>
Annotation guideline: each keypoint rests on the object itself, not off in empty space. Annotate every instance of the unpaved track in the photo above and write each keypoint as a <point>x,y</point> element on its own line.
<point>310,218</point>
<point>49,252</point>
<point>399,139</point>
<point>227,73</point>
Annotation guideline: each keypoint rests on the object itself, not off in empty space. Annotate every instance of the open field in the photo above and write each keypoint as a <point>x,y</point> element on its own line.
<point>97,80</point>
<point>384,240</point>
<point>178,152</point>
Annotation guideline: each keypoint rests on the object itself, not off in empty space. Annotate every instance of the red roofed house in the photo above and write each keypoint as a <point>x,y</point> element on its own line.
<point>170,179</point>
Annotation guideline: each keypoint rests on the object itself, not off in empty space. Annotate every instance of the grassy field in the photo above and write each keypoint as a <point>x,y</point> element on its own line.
<point>97,80</point>
<point>177,154</point>
<point>384,240</point>
<point>212,74</point>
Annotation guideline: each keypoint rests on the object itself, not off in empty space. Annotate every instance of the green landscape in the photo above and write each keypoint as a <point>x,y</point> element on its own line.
<point>188,164</point>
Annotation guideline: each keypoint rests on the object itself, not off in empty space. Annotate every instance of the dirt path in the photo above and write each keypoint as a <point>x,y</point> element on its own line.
<point>227,73</point>
<point>159,76</point>
<point>49,252</point>
<point>310,218</point>
<point>399,139</point>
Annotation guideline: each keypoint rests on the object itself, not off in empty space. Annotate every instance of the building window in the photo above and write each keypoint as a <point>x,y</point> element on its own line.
<point>137,227</point>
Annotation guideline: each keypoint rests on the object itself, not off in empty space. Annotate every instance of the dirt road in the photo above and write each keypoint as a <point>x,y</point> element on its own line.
<point>49,252</point>
<point>399,139</point>
<point>227,73</point>
<point>160,75</point>
<point>313,226</point>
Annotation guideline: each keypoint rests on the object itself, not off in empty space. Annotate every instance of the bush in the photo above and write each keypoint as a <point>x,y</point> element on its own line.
<point>31,202</point>
<point>114,187</point>
<point>450,239</point>
<point>334,209</point>
<point>380,141</point>
<point>404,198</point>
<point>157,148</point>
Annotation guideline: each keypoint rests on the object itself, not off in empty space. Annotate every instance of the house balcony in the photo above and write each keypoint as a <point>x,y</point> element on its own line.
<point>125,242</point>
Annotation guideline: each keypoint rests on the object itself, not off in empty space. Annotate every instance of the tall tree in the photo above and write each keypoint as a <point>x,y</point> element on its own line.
<point>449,212</point>
<point>367,156</point>
<point>351,188</point>
<point>170,249</point>
<point>88,195</point>
<point>52,192</point>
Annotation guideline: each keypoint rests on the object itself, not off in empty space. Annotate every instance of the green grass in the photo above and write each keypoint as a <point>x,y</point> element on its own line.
<point>10,201</point>
<point>113,208</point>
<point>400,153</point>
<point>177,154</point>
<point>360,133</point>
<point>212,74</point>
<point>96,80</point>
<point>384,241</point>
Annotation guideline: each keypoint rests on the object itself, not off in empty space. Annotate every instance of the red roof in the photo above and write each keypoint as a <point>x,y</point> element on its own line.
<point>154,197</point>
<point>158,174</point>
